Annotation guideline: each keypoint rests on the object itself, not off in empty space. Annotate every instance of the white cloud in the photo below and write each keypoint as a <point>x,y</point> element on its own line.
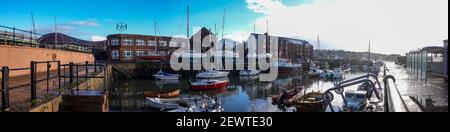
<point>89,23</point>
<point>394,26</point>
<point>238,35</point>
<point>97,38</point>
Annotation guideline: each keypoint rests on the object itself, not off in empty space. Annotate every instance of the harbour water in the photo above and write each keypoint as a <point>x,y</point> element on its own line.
<point>248,94</point>
<point>244,94</point>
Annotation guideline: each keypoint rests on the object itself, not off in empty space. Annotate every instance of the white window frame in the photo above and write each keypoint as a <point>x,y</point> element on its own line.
<point>140,42</point>
<point>151,43</point>
<point>115,42</point>
<point>128,54</point>
<point>115,54</point>
<point>127,42</point>
<point>140,53</point>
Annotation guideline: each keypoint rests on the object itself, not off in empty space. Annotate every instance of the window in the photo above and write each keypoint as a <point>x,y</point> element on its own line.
<point>128,54</point>
<point>163,43</point>
<point>115,42</point>
<point>140,42</point>
<point>115,54</point>
<point>128,42</point>
<point>151,43</point>
<point>140,53</point>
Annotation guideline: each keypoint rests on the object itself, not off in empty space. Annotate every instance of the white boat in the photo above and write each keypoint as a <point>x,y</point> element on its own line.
<point>163,105</point>
<point>208,105</point>
<point>200,104</point>
<point>356,101</point>
<point>327,74</point>
<point>212,74</point>
<point>338,73</point>
<point>314,71</point>
<point>330,74</point>
<point>160,75</point>
<point>249,72</point>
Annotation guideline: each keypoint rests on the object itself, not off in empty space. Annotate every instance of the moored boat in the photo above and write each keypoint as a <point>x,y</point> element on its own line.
<point>287,96</point>
<point>163,105</point>
<point>249,72</point>
<point>310,102</point>
<point>212,74</point>
<point>162,94</point>
<point>208,84</point>
<point>356,101</point>
<point>160,75</point>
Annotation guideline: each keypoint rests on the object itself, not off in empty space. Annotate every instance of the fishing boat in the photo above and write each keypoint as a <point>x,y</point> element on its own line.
<point>163,105</point>
<point>211,74</point>
<point>355,101</point>
<point>160,75</point>
<point>287,96</point>
<point>208,84</point>
<point>249,72</point>
<point>310,102</point>
<point>162,94</point>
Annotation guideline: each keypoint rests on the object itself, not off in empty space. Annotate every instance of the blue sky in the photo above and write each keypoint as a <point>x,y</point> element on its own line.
<point>401,25</point>
<point>86,18</point>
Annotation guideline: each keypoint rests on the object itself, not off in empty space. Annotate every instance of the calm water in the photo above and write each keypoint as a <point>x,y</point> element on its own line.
<point>250,94</point>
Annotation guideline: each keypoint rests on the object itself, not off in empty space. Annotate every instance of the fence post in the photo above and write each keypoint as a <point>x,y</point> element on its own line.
<point>76,70</point>
<point>95,66</point>
<point>14,35</point>
<point>59,75</point>
<point>70,72</point>
<point>33,81</point>
<point>5,88</point>
<point>48,77</point>
<point>87,70</point>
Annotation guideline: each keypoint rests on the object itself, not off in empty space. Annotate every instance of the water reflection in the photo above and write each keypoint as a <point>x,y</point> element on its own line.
<point>244,94</point>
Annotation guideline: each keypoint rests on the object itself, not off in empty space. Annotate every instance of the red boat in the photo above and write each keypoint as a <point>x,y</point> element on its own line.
<point>208,84</point>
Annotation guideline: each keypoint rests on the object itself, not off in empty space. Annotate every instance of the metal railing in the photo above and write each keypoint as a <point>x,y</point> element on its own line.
<point>392,99</point>
<point>73,74</point>
<point>18,37</point>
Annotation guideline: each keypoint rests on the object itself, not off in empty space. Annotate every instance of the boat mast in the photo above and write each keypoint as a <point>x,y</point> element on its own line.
<point>34,27</point>
<point>223,39</point>
<point>369,66</point>
<point>56,34</point>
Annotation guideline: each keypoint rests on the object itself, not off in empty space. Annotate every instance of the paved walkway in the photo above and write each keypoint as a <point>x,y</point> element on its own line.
<point>431,95</point>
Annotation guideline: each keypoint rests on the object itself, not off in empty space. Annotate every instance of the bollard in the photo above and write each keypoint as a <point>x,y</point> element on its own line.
<point>5,88</point>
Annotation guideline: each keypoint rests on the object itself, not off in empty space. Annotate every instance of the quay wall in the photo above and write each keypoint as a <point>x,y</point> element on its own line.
<point>96,98</point>
<point>20,57</point>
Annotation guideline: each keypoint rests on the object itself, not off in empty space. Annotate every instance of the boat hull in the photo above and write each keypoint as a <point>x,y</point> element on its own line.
<point>156,94</point>
<point>209,86</point>
<point>155,104</point>
<point>212,75</point>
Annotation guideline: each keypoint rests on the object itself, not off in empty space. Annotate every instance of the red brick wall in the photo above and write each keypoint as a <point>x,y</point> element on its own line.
<point>20,57</point>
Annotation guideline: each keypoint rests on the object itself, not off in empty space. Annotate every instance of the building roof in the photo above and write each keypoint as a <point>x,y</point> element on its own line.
<point>66,39</point>
<point>290,40</point>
